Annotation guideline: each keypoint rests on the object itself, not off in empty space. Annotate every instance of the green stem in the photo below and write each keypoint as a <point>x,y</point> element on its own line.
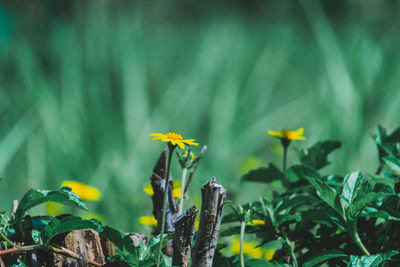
<point>285,149</point>
<point>242,229</point>
<point>26,248</point>
<point>164,211</point>
<point>184,172</point>
<point>354,234</point>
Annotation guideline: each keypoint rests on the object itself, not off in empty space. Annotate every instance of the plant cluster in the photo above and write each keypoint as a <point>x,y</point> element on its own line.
<point>342,220</point>
<point>331,219</point>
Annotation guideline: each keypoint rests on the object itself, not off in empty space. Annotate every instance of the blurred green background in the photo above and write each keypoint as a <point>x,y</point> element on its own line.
<point>83,83</point>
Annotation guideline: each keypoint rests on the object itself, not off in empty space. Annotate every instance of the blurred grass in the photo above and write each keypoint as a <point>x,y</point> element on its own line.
<point>82,86</point>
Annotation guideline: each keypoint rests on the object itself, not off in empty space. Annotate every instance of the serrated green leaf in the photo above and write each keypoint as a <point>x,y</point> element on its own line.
<point>287,204</point>
<point>371,260</point>
<point>351,184</point>
<point>68,224</point>
<point>365,199</point>
<point>317,155</point>
<point>324,256</point>
<point>370,212</point>
<point>324,191</point>
<point>393,163</point>
<point>35,197</point>
<point>264,175</point>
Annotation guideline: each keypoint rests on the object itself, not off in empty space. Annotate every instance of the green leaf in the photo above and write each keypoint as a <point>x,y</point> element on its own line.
<point>20,264</point>
<point>264,175</point>
<point>317,155</point>
<point>234,230</point>
<point>371,212</point>
<point>35,197</point>
<point>324,191</point>
<point>260,263</point>
<point>370,261</point>
<point>387,144</point>
<point>324,256</point>
<point>68,224</point>
<point>393,163</point>
<point>364,199</point>
<point>351,184</point>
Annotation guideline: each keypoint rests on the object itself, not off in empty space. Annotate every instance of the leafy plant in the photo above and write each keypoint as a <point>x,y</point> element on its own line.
<point>349,220</point>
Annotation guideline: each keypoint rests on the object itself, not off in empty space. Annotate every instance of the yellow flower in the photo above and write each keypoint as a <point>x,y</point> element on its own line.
<point>249,249</point>
<point>176,191</point>
<point>269,254</point>
<point>148,220</point>
<point>256,222</point>
<point>288,134</point>
<point>174,139</point>
<point>84,191</point>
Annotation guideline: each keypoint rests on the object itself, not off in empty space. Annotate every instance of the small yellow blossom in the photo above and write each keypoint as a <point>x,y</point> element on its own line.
<point>174,139</point>
<point>176,192</point>
<point>84,191</point>
<point>269,254</point>
<point>256,222</point>
<point>148,220</point>
<point>288,134</point>
<point>249,248</point>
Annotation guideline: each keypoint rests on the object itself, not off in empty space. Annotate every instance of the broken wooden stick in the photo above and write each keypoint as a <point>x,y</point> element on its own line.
<point>183,237</point>
<point>212,203</point>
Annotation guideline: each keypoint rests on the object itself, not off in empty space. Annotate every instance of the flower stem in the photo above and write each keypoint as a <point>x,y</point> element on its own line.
<point>242,229</point>
<point>184,172</point>
<point>164,211</point>
<point>285,149</point>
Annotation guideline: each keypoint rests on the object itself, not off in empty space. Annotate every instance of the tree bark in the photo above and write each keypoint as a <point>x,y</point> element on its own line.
<point>183,237</point>
<point>213,200</point>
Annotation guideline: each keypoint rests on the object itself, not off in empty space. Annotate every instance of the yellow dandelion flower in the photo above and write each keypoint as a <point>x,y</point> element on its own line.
<point>54,209</point>
<point>148,220</point>
<point>84,191</point>
<point>288,134</point>
<point>256,222</point>
<point>148,189</point>
<point>269,254</point>
<point>176,191</point>
<point>174,139</point>
<point>249,248</point>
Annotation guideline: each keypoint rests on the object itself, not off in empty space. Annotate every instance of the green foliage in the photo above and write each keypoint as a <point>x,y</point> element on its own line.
<point>68,224</point>
<point>372,260</point>
<point>330,218</point>
<point>317,155</point>
<point>264,175</point>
